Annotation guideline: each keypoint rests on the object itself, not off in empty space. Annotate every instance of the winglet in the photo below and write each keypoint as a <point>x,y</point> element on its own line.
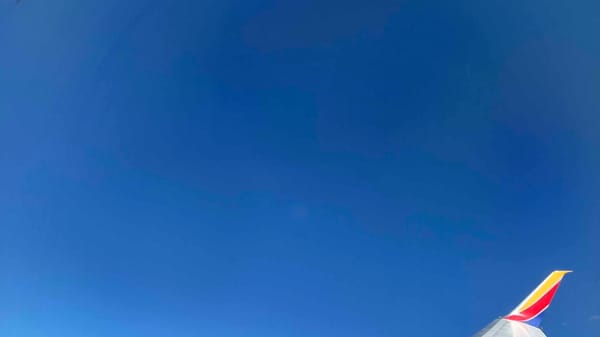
<point>530,310</point>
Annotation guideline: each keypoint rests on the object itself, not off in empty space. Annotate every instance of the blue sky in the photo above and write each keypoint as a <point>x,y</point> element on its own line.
<point>308,168</point>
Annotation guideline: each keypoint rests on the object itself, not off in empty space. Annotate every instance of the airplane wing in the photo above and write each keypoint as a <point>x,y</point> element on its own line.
<point>525,319</point>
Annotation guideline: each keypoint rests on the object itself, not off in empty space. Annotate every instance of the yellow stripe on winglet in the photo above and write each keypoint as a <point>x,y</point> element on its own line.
<point>550,281</point>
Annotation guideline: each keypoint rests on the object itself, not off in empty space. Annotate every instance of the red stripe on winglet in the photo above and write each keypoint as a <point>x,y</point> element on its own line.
<point>536,308</point>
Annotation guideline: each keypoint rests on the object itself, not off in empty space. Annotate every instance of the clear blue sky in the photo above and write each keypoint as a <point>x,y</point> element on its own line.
<point>296,168</point>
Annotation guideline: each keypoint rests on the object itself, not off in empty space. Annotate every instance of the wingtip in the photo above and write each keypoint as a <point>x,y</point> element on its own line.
<point>539,300</point>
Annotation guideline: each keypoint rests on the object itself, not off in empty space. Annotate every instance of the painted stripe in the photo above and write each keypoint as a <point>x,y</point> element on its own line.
<point>550,282</point>
<point>537,308</point>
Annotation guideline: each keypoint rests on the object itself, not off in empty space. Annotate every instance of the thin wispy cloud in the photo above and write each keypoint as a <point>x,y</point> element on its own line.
<point>595,318</point>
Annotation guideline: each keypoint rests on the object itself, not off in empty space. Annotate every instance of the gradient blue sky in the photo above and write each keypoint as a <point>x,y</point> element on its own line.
<point>296,168</point>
